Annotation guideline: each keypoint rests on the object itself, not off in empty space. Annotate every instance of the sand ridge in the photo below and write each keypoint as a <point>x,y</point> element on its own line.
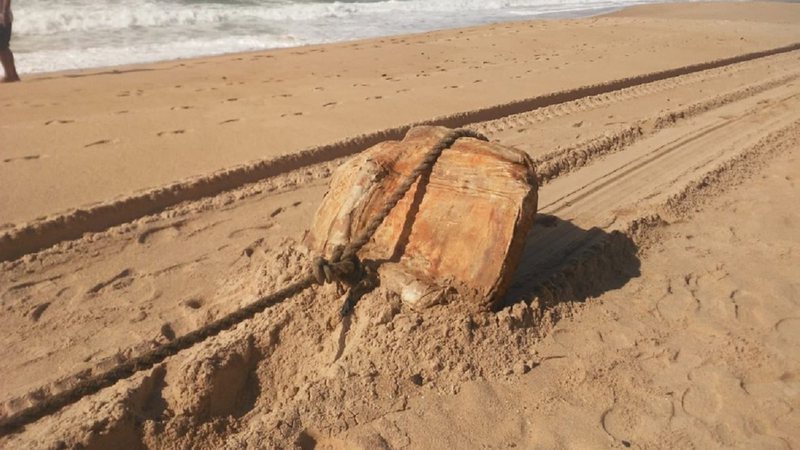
<point>45,232</point>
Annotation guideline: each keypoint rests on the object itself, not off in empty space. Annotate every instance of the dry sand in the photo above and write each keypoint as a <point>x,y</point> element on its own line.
<point>72,140</point>
<point>656,305</point>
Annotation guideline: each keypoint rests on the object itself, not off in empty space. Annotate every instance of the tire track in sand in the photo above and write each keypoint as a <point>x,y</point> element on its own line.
<point>34,236</point>
<point>624,192</point>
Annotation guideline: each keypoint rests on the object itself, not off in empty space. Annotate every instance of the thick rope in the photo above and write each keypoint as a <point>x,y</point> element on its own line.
<point>343,261</point>
<point>343,267</point>
<point>425,166</point>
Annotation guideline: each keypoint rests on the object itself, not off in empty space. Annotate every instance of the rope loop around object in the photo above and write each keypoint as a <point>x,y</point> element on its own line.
<point>425,166</point>
<point>344,267</point>
<point>337,269</point>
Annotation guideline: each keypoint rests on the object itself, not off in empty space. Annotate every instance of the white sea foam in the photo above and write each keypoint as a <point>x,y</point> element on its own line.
<point>54,35</point>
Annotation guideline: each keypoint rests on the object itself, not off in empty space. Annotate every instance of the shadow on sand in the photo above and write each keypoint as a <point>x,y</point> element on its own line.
<point>565,263</point>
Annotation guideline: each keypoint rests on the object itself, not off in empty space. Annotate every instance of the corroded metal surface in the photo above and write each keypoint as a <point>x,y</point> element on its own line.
<point>461,227</point>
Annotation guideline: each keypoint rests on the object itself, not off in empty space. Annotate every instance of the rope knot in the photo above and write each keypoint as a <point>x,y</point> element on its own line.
<point>343,268</point>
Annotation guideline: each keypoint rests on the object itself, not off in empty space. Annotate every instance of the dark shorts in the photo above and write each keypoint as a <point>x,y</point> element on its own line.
<point>5,36</point>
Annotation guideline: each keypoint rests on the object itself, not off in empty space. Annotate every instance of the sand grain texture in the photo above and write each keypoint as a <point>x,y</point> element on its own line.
<point>655,304</point>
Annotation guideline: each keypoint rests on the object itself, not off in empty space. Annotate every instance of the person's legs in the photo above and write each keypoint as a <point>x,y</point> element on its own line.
<point>7,59</point>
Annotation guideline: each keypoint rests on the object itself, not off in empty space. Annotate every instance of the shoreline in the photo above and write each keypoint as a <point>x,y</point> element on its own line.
<point>149,65</point>
<point>566,14</point>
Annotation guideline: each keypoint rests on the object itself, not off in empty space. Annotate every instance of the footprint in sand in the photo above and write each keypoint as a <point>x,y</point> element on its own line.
<point>228,121</point>
<point>329,104</point>
<point>22,294</point>
<point>243,231</point>
<point>251,249</point>
<point>58,121</point>
<point>637,415</point>
<point>749,308</point>
<point>174,108</point>
<point>22,158</point>
<point>121,289</point>
<point>119,281</point>
<point>163,133</point>
<point>100,142</point>
<point>678,302</point>
<point>716,295</point>
<point>789,329</point>
<point>570,338</point>
<point>710,389</point>
<point>38,310</point>
<point>193,303</point>
<point>167,332</point>
<point>161,233</point>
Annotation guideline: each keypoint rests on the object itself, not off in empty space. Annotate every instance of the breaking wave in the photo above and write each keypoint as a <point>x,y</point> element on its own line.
<point>54,35</point>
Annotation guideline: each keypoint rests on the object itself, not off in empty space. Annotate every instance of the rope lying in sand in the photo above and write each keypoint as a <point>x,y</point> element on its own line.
<point>343,267</point>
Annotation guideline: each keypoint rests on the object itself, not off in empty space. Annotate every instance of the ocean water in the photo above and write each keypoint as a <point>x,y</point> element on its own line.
<point>52,35</point>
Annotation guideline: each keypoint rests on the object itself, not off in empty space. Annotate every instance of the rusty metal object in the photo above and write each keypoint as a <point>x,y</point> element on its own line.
<point>462,227</point>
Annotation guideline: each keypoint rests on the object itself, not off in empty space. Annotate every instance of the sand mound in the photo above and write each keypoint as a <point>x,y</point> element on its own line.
<point>301,364</point>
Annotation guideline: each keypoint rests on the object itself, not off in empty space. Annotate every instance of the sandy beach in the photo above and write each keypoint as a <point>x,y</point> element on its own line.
<point>656,304</point>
